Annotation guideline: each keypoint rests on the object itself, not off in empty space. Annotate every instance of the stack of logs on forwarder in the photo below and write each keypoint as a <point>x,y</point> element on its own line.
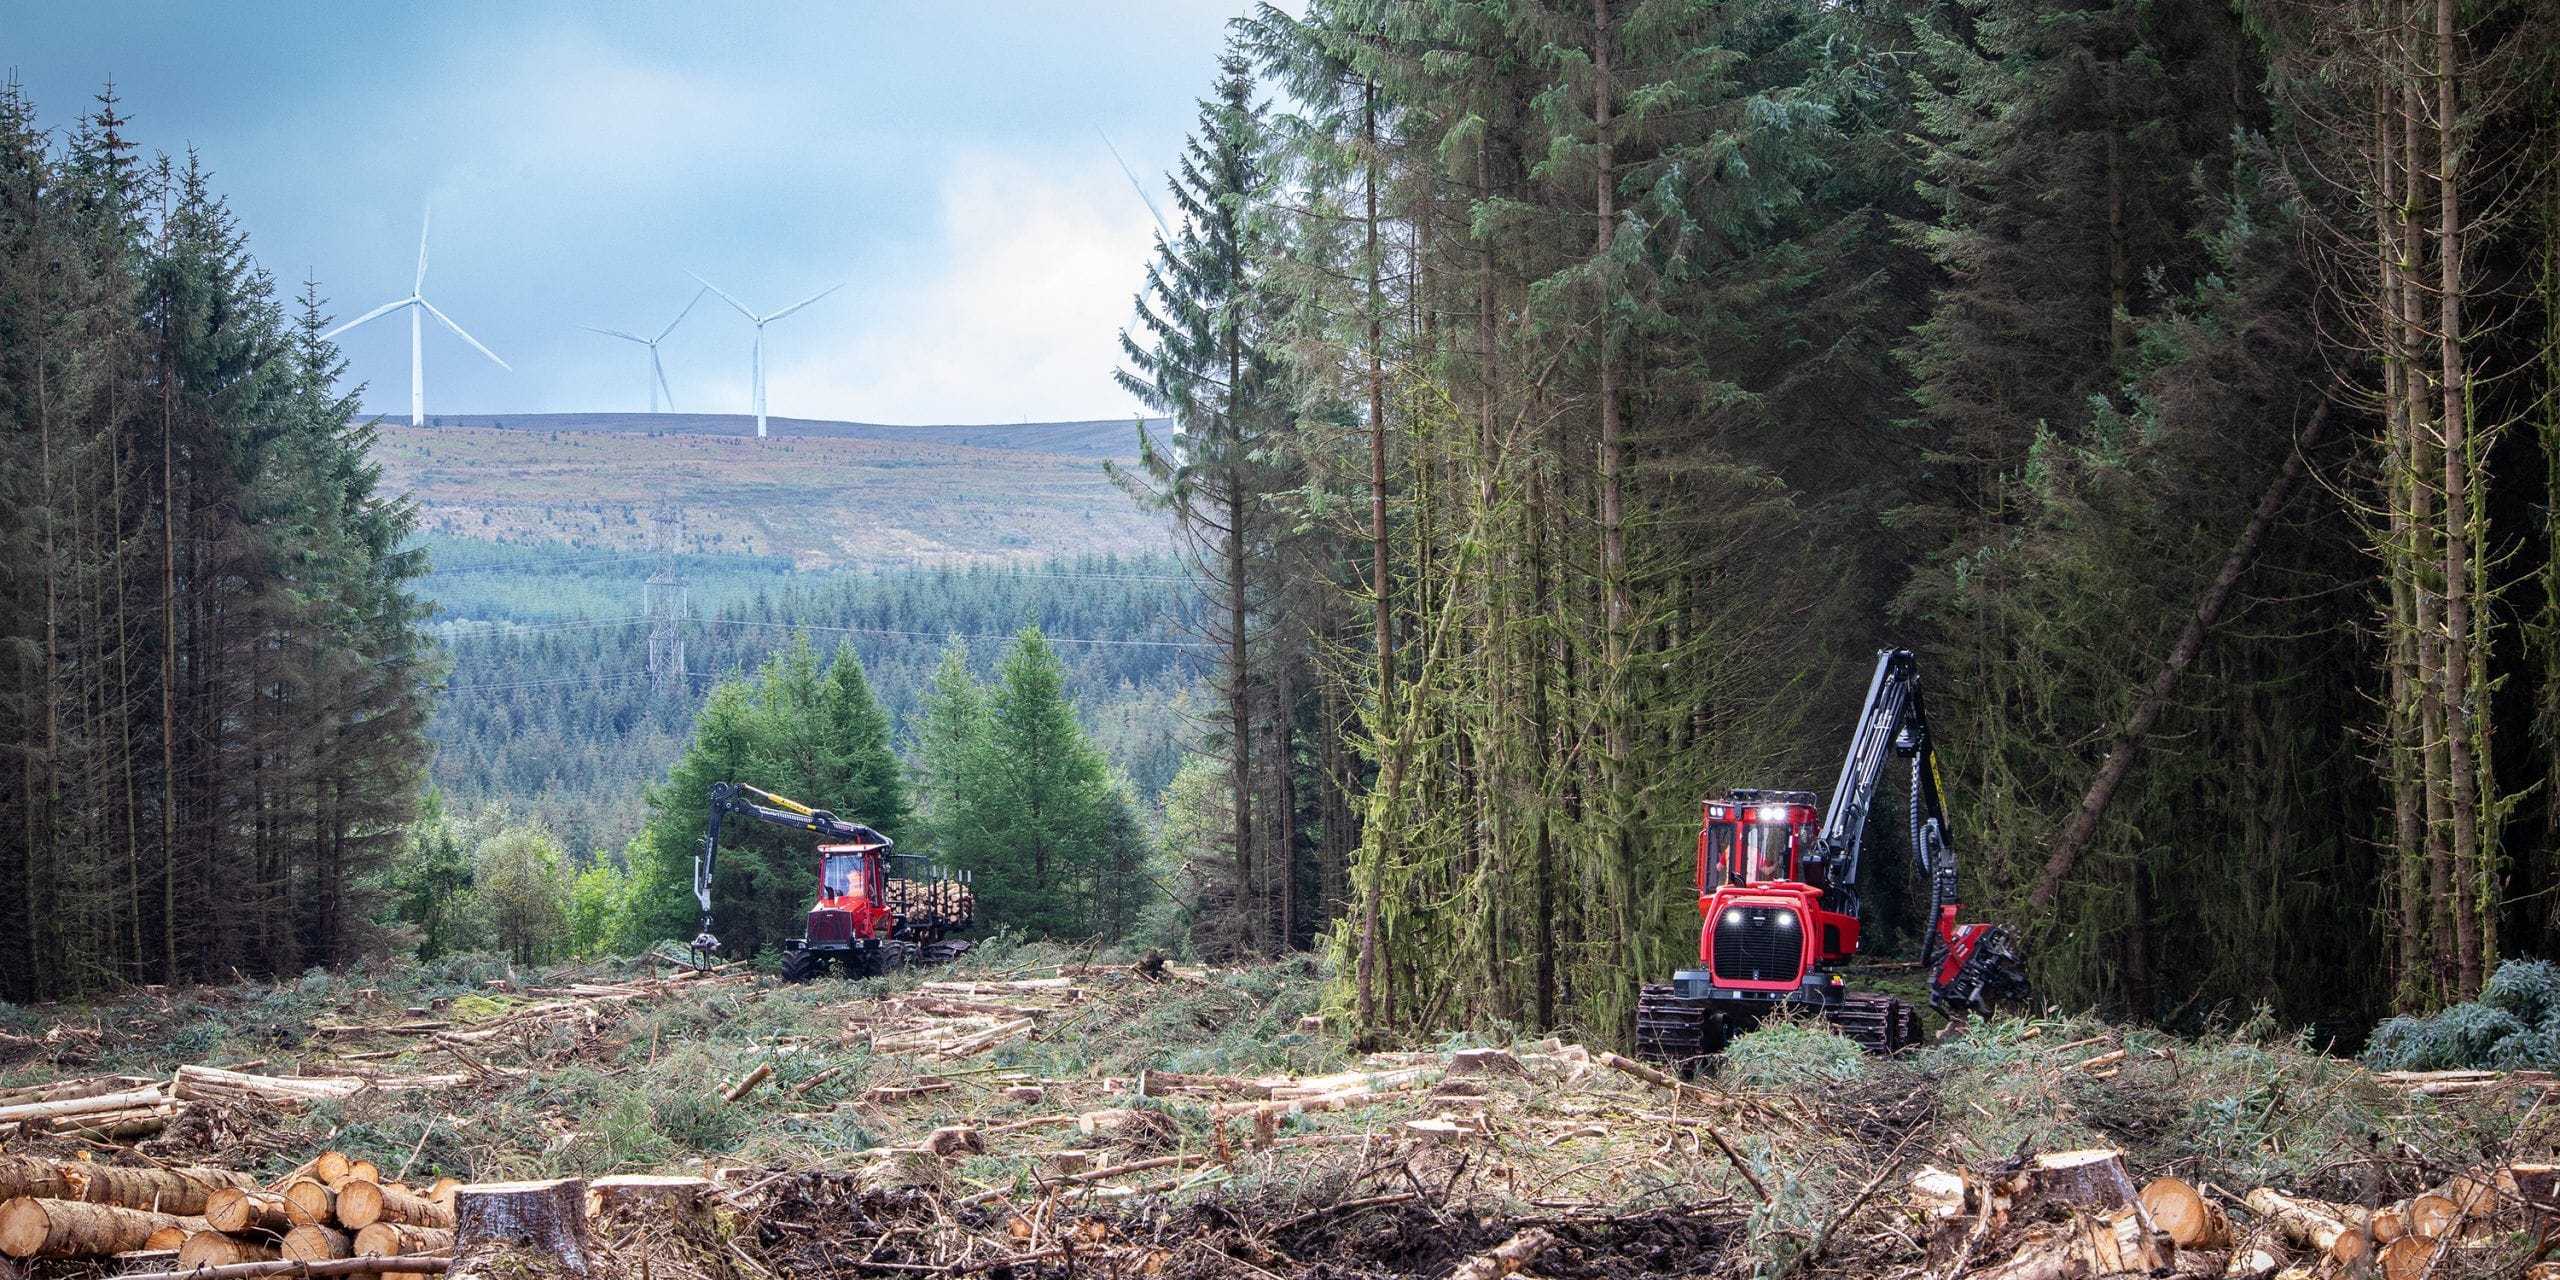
<point>333,1216</point>
<point>2070,1214</point>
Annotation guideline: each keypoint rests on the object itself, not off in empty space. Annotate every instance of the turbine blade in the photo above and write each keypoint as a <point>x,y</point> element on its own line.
<point>616,333</point>
<point>426,218</point>
<point>457,329</point>
<point>1136,185</point>
<point>724,296</point>
<point>688,310</point>
<point>801,303</point>
<point>661,369</point>
<point>375,314</point>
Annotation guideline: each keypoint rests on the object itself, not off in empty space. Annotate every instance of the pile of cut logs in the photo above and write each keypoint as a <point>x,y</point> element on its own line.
<point>114,1108</point>
<point>333,1211</point>
<point>2080,1214</point>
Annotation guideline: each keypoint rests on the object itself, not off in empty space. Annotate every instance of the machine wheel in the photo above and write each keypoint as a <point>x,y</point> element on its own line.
<point>802,965</point>
<point>944,951</point>
<point>896,955</point>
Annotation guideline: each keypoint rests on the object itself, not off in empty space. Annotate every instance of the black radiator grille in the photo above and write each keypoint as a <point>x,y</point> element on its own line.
<point>1759,944</point>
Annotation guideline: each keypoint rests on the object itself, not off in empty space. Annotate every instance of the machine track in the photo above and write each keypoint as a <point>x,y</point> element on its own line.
<point>1672,1031</point>
<point>1880,1024</point>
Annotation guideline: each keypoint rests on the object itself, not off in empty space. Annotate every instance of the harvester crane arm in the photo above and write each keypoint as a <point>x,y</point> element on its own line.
<point>763,806</point>
<point>1893,722</point>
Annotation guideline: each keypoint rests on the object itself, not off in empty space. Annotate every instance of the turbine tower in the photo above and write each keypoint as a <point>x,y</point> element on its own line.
<point>417,302</point>
<point>760,322</point>
<point>657,369</point>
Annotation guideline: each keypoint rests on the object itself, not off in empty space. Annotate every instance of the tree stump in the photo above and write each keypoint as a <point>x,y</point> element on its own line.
<point>548,1218</point>
<point>396,1240</point>
<point>362,1204</point>
<point>2092,1179</point>
<point>316,1244</point>
<point>635,1198</point>
<point>31,1228</point>
<point>209,1248</point>
<point>955,1140</point>
<point>2191,1221</point>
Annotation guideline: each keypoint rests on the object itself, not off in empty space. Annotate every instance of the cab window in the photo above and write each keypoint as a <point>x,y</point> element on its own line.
<point>841,874</point>
<point>1764,852</point>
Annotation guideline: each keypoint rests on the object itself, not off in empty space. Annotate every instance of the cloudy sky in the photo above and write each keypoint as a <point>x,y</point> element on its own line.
<point>942,159</point>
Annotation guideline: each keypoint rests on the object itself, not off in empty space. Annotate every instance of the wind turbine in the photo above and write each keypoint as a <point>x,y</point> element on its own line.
<point>657,369</point>
<point>417,301</point>
<point>760,322</point>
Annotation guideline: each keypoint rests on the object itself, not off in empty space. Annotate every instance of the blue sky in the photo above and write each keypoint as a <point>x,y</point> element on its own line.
<point>944,160</point>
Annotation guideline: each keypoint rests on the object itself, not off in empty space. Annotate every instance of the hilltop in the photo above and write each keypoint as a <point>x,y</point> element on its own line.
<point>824,494</point>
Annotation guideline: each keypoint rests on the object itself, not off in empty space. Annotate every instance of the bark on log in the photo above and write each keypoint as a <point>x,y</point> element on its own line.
<point>28,1176</point>
<point>342,1267</point>
<point>636,1197</point>
<point>195,1082</point>
<point>391,1239</point>
<point>1506,1258</point>
<point>31,1228</point>
<point>362,1204</point>
<point>210,1248</point>
<point>2191,1221</point>
<point>2312,1224</point>
<point>241,1209</point>
<point>316,1244</point>
<point>2153,699</point>
<point>309,1201</point>
<point>184,1192</point>
<point>548,1217</point>
<point>743,1087</point>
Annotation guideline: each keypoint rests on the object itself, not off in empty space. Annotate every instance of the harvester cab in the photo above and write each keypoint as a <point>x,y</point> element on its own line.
<point>1778,905</point>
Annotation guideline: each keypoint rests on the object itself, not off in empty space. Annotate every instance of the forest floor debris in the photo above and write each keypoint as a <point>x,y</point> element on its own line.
<point>1036,1113</point>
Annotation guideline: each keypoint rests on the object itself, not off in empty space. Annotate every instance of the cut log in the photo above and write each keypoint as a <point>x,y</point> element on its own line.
<point>391,1239</point>
<point>2407,1258</point>
<point>2191,1221</point>
<point>2433,1216</point>
<point>1507,1258</point>
<point>28,1176</point>
<point>643,1197</point>
<point>548,1217</point>
<point>363,1171</point>
<point>184,1192</point>
<point>195,1082</point>
<point>330,1167</point>
<point>362,1204</point>
<point>31,1228</point>
<point>2390,1222</point>
<point>166,1240</point>
<point>241,1209</point>
<point>743,1087</point>
<point>285,1267</point>
<point>2312,1224</point>
<point>309,1201</point>
<point>442,1191</point>
<point>211,1248</point>
<point>316,1244</point>
<point>124,1101</point>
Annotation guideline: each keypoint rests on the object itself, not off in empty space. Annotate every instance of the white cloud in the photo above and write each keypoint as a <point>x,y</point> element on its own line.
<point>1017,313</point>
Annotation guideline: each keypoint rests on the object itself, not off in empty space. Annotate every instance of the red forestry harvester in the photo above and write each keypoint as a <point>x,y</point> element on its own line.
<point>866,921</point>
<point>1778,897</point>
